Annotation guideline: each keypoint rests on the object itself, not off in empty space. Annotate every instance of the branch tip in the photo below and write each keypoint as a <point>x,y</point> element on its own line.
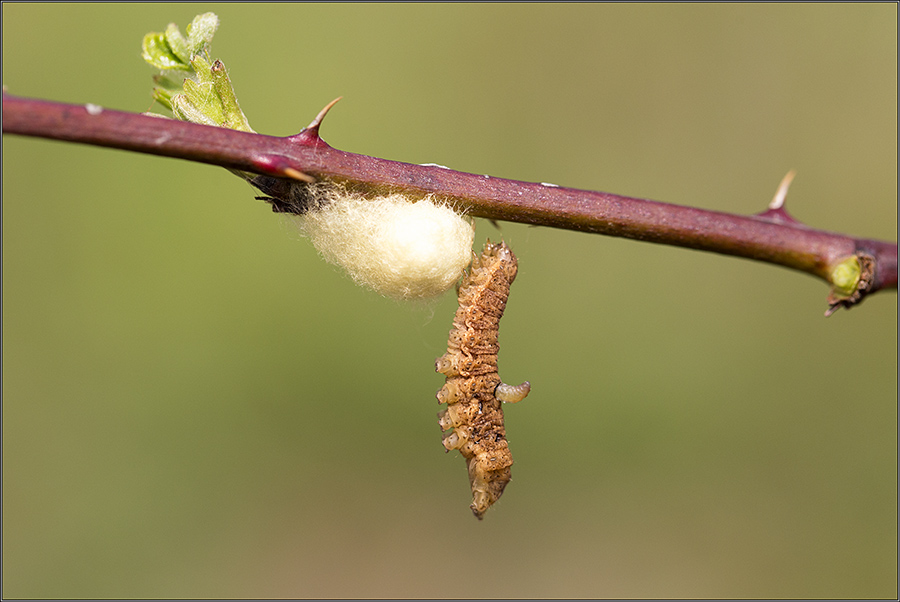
<point>852,280</point>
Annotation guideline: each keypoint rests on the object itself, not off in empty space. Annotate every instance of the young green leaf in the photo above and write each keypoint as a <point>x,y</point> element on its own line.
<point>203,92</point>
<point>156,51</point>
<point>201,31</point>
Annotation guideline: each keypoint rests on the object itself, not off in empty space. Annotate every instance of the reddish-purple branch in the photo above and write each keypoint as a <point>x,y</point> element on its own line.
<point>771,236</point>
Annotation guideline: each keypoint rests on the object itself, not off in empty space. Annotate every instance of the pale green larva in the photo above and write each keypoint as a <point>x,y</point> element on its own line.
<point>512,394</point>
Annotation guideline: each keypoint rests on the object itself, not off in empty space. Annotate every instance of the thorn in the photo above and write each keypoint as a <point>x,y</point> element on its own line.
<point>781,193</point>
<point>278,166</point>
<point>297,175</point>
<point>776,211</point>
<point>314,125</point>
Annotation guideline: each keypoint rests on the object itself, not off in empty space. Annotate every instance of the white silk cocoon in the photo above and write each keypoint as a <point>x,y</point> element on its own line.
<point>399,248</point>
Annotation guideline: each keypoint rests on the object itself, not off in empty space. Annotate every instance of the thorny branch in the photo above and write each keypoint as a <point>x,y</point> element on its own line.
<point>772,236</point>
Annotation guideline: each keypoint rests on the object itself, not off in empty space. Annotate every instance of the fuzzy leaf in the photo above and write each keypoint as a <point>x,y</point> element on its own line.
<point>178,43</point>
<point>201,31</point>
<point>234,116</point>
<point>158,53</point>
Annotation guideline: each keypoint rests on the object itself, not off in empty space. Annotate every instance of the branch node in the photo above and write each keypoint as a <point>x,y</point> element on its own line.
<point>863,285</point>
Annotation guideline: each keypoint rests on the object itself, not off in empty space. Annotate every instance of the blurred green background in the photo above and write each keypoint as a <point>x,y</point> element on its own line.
<point>195,405</point>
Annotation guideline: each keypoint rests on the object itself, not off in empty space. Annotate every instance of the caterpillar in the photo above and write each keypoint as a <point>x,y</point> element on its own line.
<point>473,392</point>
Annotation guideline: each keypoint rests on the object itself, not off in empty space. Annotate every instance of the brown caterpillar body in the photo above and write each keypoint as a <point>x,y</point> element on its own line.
<point>473,420</point>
